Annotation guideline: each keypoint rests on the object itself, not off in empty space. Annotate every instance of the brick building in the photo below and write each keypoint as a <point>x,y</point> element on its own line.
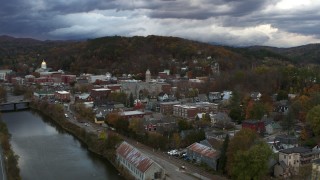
<point>167,107</point>
<point>255,125</point>
<point>63,96</point>
<point>185,111</point>
<point>100,93</point>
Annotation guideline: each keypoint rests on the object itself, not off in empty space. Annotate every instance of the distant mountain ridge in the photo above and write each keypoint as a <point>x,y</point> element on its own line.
<point>118,54</point>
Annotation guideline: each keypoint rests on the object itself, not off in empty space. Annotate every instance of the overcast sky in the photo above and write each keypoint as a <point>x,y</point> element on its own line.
<point>280,23</point>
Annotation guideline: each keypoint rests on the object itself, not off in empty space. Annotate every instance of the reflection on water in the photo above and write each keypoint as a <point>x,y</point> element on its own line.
<point>48,152</point>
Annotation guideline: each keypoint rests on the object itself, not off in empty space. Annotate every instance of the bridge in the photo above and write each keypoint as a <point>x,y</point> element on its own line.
<point>14,106</point>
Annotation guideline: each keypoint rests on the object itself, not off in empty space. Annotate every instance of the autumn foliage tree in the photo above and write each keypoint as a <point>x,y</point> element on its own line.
<point>242,141</point>
<point>313,119</point>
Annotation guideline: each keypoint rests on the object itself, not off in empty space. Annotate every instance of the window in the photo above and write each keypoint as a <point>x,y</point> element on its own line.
<point>285,156</point>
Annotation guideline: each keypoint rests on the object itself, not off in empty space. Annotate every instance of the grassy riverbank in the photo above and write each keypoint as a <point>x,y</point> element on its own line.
<point>103,144</point>
<point>10,159</point>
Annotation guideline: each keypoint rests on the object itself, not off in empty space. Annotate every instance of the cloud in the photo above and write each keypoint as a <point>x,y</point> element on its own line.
<point>247,22</point>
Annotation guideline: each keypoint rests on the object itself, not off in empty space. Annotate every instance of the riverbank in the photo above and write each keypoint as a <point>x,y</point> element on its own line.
<point>10,169</point>
<point>101,144</point>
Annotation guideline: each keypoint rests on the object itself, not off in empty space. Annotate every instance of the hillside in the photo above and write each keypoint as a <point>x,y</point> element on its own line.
<point>301,54</point>
<point>136,54</point>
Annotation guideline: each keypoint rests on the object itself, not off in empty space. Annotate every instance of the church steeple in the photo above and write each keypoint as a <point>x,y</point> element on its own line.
<point>148,76</point>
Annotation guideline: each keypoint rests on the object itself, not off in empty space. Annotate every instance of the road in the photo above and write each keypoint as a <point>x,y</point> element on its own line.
<point>170,164</point>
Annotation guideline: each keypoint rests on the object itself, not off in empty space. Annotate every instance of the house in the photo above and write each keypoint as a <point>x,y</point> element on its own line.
<point>256,125</point>
<point>4,74</point>
<point>163,96</point>
<point>203,98</point>
<point>203,154</point>
<point>296,157</point>
<point>221,118</point>
<point>315,169</point>
<point>286,141</point>
<point>255,96</point>
<point>213,96</point>
<point>272,128</point>
<point>282,170</point>
<point>140,166</point>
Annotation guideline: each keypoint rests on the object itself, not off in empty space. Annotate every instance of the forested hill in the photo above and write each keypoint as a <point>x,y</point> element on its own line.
<point>301,54</point>
<point>118,54</point>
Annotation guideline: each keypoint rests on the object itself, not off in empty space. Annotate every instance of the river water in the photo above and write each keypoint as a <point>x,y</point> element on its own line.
<point>47,152</point>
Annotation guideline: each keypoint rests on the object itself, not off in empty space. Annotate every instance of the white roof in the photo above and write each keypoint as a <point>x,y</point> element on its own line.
<point>128,113</point>
<point>101,89</point>
<point>63,92</point>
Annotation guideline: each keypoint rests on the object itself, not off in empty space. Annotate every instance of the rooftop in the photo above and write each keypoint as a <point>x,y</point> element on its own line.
<point>300,150</point>
<point>203,150</point>
<point>134,156</point>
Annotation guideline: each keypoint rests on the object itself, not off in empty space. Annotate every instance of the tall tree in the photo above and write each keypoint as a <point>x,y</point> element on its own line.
<point>131,100</point>
<point>252,163</point>
<point>313,119</point>
<point>242,141</point>
<point>223,155</point>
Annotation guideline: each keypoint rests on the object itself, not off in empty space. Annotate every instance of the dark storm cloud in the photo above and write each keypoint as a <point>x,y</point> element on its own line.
<point>224,21</point>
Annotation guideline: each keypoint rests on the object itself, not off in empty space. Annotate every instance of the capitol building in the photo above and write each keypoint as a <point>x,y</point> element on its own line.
<point>43,68</point>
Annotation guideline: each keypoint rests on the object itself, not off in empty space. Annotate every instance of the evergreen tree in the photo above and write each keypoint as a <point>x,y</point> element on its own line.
<point>131,100</point>
<point>223,156</point>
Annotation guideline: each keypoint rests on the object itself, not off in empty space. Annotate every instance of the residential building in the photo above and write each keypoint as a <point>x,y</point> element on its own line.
<point>140,166</point>
<point>255,125</point>
<point>255,96</point>
<point>296,157</point>
<point>4,74</point>
<point>315,169</point>
<point>203,154</point>
<point>213,96</point>
<point>286,141</point>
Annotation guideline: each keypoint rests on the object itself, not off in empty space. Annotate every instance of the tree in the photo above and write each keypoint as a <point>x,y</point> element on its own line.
<point>176,139</point>
<point>313,119</point>
<point>184,125</point>
<point>242,141</point>
<point>3,94</point>
<point>252,163</point>
<point>223,155</point>
<point>136,125</point>
<point>257,111</point>
<point>131,100</point>
<point>112,118</point>
<point>282,95</point>
<point>287,122</point>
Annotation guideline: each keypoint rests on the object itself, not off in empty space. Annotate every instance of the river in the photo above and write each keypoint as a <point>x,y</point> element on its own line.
<point>48,152</point>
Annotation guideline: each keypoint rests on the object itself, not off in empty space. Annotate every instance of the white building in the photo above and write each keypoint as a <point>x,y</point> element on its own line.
<point>4,73</point>
<point>137,164</point>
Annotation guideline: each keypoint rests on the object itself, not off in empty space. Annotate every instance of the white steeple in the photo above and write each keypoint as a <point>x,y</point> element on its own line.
<point>148,76</point>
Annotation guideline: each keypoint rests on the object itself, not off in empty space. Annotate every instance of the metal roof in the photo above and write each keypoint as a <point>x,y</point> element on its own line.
<point>203,150</point>
<point>134,156</point>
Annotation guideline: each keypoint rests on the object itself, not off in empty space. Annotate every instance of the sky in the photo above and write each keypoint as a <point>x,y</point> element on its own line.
<point>278,23</point>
